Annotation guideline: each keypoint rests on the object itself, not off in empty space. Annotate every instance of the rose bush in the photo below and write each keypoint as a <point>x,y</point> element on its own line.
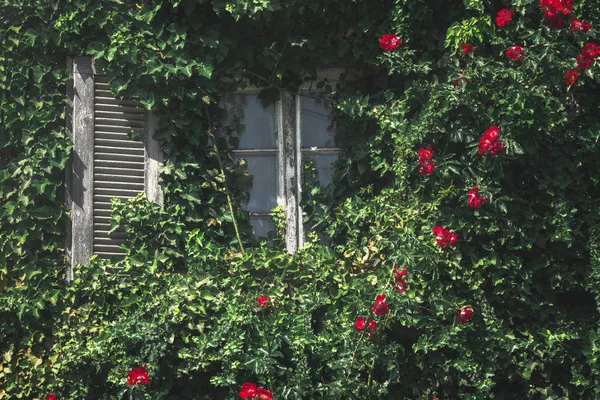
<point>508,311</point>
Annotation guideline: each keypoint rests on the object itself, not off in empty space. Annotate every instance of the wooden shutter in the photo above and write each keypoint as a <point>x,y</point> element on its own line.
<point>114,155</point>
<point>119,161</point>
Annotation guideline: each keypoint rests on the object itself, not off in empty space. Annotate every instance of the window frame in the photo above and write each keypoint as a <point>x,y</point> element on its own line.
<point>290,159</point>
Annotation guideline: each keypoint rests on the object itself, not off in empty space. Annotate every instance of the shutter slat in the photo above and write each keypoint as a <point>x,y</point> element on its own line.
<point>119,108</point>
<point>119,161</point>
<point>126,122</point>
<point>103,98</point>
<point>116,234</point>
<point>119,129</point>
<point>120,150</point>
<point>117,142</point>
<point>119,157</point>
<point>137,187</point>
<point>135,115</point>
<point>109,241</point>
<point>121,178</point>
<point>138,173</point>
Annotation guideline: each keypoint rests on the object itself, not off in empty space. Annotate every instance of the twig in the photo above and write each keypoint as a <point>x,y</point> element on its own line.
<point>227,195</point>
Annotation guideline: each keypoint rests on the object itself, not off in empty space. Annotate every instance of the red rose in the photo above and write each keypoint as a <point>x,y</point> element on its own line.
<point>425,154</point>
<point>438,231</point>
<point>263,302</point>
<point>389,41</point>
<point>464,314</point>
<point>554,8</point>
<point>444,237</point>
<point>400,283</point>
<point>50,397</point>
<point>427,168</point>
<point>467,48</point>
<point>550,7</point>
<point>590,50</point>
<point>453,239</point>
<point>491,133</point>
<point>264,394</point>
<point>359,325</point>
<point>489,142</point>
<point>138,376</point>
<point>571,77</point>
<point>456,82</point>
<point>514,53</point>
<point>399,274</point>
<point>380,306</point>
<point>372,324</point>
<point>583,62</point>
<point>496,147</point>
<point>474,200</point>
<point>579,25</point>
<point>249,390</point>
<point>503,17</point>
<point>425,160</point>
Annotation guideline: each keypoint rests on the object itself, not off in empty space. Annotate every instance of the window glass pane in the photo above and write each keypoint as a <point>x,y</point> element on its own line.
<point>323,163</point>
<point>317,126</point>
<point>262,225</point>
<point>263,195</point>
<point>260,130</point>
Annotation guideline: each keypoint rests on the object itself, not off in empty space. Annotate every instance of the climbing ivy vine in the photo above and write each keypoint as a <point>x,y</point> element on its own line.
<point>470,157</point>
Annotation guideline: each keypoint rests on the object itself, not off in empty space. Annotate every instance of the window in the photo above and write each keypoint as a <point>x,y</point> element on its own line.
<point>275,143</point>
<point>114,155</point>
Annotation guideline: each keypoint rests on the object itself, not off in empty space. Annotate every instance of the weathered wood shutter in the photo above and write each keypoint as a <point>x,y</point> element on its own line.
<point>119,161</point>
<point>114,155</point>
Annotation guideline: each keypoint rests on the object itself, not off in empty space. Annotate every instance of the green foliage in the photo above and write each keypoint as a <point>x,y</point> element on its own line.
<point>183,300</point>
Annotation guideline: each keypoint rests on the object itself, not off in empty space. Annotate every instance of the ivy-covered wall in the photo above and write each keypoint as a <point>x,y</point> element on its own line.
<point>496,221</point>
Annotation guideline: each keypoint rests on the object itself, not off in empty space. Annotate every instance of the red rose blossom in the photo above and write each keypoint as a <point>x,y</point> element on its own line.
<point>496,147</point>
<point>359,325</point>
<point>474,200</point>
<point>372,325</point>
<point>464,314</point>
<point>444,237</point>
<point>426,161</point>
<point>427,168</point>
<point>583,62</point>
<point>555,11</point>
<point>380,306</point>
<point>263,302</point>
<point>248,390</point>
<point>467,48</point>
<point>590,50</point>
<point>425,154</point>
<point>138,376</point>
<point>456,82</point>
<point>399,281</point>
<point>503,17</point>
<point>579,25</point>
<point>514,53</point>
<point>452,238</point>
<point>389,41</point>
<point>571,77</point>
<point>50,397</point>
<point>263,394</point>
<point>489,142</point>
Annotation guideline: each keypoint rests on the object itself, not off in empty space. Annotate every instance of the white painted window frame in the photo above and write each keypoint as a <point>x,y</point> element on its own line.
<point>79,182</point>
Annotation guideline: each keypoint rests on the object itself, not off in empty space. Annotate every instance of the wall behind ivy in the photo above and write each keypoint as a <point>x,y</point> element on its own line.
<point>185,301</point>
